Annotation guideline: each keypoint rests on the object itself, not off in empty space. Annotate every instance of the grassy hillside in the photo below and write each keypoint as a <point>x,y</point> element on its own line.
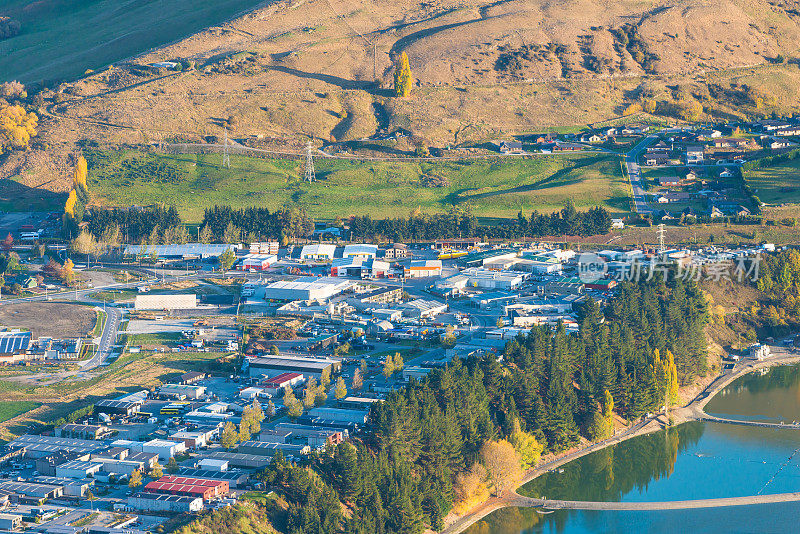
<point>492,188</point>
<point>9,410</point>
<point>61,39</point>
<point>778,184</point>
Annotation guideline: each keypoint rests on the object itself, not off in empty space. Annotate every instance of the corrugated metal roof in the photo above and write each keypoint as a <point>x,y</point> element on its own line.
<point>14,342</point>
<point>189,249</point>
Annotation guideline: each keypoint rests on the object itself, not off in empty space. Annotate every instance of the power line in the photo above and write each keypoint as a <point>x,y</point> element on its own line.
<point>309,176</point>
<point>226,157</point>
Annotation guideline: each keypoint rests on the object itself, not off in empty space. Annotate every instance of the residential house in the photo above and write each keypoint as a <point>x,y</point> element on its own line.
<point>708,133</point>
<point>731,142</point>
<point>661,146</point>
<point>777,144</point>
<point>787,131</point>
<point>652,159</point>
<point>726,173</point>
<point>694,154</point>
<point>669,181</point>
<point>509,147</point>
<point>635,129</point>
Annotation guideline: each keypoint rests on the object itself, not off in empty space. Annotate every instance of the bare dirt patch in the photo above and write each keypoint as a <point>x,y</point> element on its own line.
<point>54,319</point>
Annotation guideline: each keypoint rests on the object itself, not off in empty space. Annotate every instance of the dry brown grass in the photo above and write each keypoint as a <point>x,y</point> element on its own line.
<point>49,319</point>
<point>310,71</point>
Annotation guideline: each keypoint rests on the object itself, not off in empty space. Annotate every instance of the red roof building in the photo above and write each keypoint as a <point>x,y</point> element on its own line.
<point>283,380</point>
<point>190,487</point>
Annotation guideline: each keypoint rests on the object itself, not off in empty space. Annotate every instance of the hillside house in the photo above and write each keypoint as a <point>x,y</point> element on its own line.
<point>694,154</point>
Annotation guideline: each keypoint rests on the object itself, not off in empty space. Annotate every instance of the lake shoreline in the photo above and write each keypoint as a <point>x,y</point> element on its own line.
<point>693,411</point>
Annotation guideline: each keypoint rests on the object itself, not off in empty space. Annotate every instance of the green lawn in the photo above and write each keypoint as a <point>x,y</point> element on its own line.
<point>490,188</point>
<point>11,409</point>
<point>779,184</point>
<point>61,39</point>
<point>114,295</point>
<point>161,338</point>
<point>101,321</point>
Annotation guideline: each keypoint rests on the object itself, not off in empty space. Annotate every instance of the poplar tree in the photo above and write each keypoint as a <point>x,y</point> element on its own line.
<point>402,77</point>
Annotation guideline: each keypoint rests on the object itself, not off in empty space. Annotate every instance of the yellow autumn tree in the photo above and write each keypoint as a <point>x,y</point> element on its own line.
<point>402,77</point>
<point>81,173</point>
<point>528,449</point>
<point>69,207</point>
<point>16,127</point>
<point>671,379</point>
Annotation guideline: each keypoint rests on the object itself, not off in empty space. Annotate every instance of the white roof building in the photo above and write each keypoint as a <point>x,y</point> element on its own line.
<point>165,302</point>
<point>164,449</point>
<point>257,261</point>
<point>318,252</point>
<point>305,288</point>
<point>360,251</point>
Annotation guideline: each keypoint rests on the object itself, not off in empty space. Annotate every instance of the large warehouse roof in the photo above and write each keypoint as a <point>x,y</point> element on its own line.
<point>178,251</point>
<point>165,302</point>
<point>358,249</point>
<point>305,288</point>
<point>309,364</point>
<point>318,249</point>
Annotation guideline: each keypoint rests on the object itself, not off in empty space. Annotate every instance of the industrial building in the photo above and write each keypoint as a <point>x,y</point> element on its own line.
<point>175,301</point>
<point>268,448</point>
<point>479,259</point>
<point>14,346</point>
<point>383,295</point>
<point>207,464</point>
<point>10,522</point>
<point>397,251</point>
<point>423,269</point>
<point>258,262</point>
<point>118,408</point>
<point>275,366</point>
<point>462,244</point>
<point>182,391</point>
<point>339,415</point>
<point>283,380</point>
<point>187,251</point>
<point>360,251</point>
<point>305,288</point>
<point>424,309</point>
<point>235,479</point>
<point>40,446</point>
<point>188,487</point>
<point>37,492</point>
<point>274,436</point>
<point>316,436</point>
<point>318,252</point>
<point>417,373</point>
<point>72,430</point>
<point>246,461</point>
<point>156,502</point>
<point>46,465</point>
<point>266,247</point>
<point>164,449</point>
<point>72,487</point>
<point>191,440</point>
<point>78,469</point>
<point>487,279</point>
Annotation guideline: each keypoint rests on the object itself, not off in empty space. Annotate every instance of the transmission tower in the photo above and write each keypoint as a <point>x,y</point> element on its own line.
<point>310,176</point>
<point>226,157</point>
<point>661,238</point>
